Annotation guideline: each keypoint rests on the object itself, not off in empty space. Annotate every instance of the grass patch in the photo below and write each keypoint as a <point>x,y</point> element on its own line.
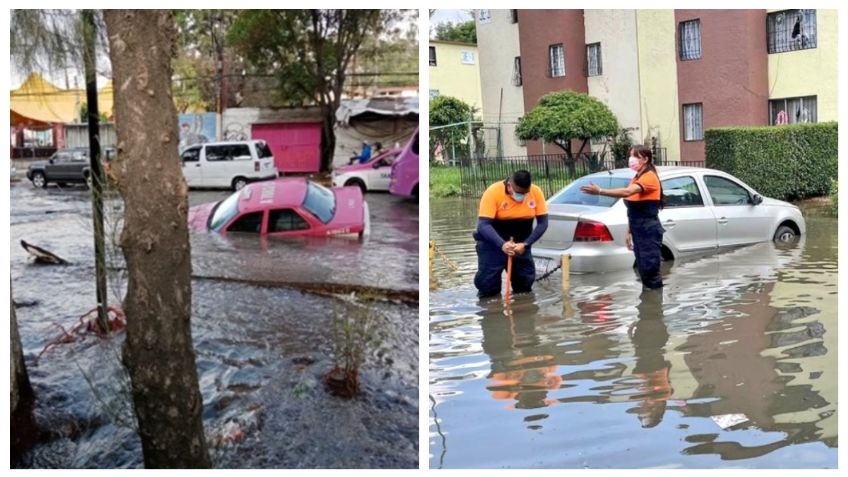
<point>444,181</point>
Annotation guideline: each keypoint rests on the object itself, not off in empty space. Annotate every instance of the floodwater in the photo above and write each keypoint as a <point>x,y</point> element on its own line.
<point>261,350</point>
<point>733,364</point>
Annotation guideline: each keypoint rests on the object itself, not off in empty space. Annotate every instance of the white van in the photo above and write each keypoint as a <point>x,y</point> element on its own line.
<point>231,164</point>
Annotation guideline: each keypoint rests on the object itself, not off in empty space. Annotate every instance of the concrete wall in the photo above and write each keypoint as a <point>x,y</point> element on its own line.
<point>498,45</point>
<point>618,84</point>
<point>538,29</point>
<point>660,115</point>
<point>451,77</point>
<point>811,72</point>
<point>730,78</point>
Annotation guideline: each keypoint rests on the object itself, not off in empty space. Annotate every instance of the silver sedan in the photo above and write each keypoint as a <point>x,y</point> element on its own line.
<point>705,211</point>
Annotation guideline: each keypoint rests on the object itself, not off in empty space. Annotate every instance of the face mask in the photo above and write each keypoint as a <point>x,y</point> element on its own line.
<point>634,163</point>
<point>518,197</point>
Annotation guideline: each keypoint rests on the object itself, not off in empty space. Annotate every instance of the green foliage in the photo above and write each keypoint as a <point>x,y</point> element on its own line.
<point>444,181</point>
<point>621,144</point>
<point>788,162</point>
<point>465,32</point>
<point>445,110</point>
<point>562,116</point>
<point>354,335</point>
<point>834,195</point>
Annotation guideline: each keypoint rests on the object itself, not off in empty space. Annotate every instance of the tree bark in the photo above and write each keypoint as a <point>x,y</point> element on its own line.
<point>23,429</point>
<point>158,351</point>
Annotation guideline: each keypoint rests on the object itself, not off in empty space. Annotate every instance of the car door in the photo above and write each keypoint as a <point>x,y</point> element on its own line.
<point>240,163</point>
<point>690,225</point>
<point>214,160</point>
<point>79,161</point>
<point>250,222</point>
<point>192,170</point>
<point>282,222</point>
<point>739,221</point>
<point>381,175</point>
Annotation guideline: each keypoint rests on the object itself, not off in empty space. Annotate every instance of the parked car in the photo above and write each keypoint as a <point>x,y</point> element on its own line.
<point>287,207</point>
<point>404,179</point>
<point>373,175</point>
<point>705,211</point>
<point>228,164</point>
<point>65,166</point>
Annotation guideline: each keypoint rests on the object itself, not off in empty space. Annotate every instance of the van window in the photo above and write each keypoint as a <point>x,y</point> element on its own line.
<point>239,152</point>
<point>217,153</point>
<point>262,150</point>
<point>285,220</point>
<point>251,223</point>
<point>191,155</point>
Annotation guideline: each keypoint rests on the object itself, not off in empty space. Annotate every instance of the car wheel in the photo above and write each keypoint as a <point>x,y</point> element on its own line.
<point>239,183</point>
<point>358,183</point>
<point>38,180</point>
<point>785,234</point>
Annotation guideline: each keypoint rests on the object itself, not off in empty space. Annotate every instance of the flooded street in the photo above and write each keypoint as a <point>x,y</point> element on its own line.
<point>732,364</point>
<point>261,350</point>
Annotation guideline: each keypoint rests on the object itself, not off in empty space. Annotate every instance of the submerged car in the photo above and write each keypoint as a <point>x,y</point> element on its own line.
<point>289,207</point>
<point>705,211</point>
<point>372,175</point>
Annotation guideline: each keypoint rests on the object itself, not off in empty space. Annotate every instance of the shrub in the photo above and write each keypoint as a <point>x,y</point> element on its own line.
<point>788,162</point>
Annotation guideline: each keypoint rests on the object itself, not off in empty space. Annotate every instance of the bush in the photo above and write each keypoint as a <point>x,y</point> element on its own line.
<point>834,195</point>
<point>444,181</point>
<point>789,162</point>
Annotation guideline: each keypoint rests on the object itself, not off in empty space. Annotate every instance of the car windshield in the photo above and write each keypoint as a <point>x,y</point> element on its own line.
<point>573,195</point>
<point>320,202</point>
<point>224,212</point>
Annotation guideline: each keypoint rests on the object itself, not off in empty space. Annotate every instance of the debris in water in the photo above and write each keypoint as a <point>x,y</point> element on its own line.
<point>115,318</point>
<point>43,256</point>
<point>726,421</point>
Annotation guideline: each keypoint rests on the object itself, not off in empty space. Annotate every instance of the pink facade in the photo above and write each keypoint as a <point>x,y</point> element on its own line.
<point>296,146</point>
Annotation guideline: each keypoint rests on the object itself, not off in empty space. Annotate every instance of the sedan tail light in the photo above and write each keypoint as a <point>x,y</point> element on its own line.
<point>589,231</point>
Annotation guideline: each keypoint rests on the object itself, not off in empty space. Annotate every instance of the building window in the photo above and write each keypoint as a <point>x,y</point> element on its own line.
<point>556,61</point>
<point>793,110</point>
<point>593,60</point>
<point>513,16</point>
<point>690,40</point>
<point>484,16</point>
<point>516,72</point>
<point>466,57</point>
<point>693,122</point>
<point>432,56</point>
<point>791,30</point>
<point>434,93</point>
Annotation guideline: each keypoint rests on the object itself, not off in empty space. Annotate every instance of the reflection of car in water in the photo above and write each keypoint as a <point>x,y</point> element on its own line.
<point>705,210</point>
<point>371,175</point>
<point>290,207</point>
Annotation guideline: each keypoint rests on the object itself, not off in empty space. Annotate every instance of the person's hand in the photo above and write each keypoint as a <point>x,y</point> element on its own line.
<point>518,248</point>
<point>593,189</point>
<point>508,248</point>
<point>628,239</point>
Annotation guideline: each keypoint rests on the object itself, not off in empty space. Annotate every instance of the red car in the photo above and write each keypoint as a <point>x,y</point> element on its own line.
<point>290,207</point>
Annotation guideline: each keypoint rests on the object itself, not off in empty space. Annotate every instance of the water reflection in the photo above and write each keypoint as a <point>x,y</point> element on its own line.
<point>649,336</point>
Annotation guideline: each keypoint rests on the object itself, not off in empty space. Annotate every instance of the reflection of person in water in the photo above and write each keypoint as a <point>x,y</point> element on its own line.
<point>649,336</point>
<point>523,369</point>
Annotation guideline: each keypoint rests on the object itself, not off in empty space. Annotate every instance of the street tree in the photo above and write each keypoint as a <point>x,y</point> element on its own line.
<point>566,116</point>
<point>464,32</point>
<point>449,123</point>
<point>309,52</point>
<point>158,351</point>
<point>23,426</point>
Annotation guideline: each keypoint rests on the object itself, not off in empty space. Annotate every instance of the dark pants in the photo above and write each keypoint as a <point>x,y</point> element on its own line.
<point>647,246</point>
<point>491,263</point>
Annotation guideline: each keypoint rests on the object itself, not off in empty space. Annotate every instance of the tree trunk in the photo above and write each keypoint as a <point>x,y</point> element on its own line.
<point>158,351</point>
<point>328,137</point>
<point>23,429</point>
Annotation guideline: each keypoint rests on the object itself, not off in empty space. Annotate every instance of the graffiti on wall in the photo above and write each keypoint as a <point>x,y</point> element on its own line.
<point>197,128</point>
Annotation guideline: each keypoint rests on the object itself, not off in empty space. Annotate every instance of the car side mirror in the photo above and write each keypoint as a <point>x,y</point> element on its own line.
<point>50,161</point>
<point>757,199</point>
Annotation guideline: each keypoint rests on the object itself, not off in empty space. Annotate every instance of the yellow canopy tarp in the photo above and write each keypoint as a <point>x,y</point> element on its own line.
<point>39,101</point>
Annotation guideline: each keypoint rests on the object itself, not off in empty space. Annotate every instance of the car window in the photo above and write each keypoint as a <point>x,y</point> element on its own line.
<point>224,212</point>
<point>681,192</point>
<point>61,157</point>
<point>573,195</point>
<point>285,220</point>
<point>191,155</point>
<point>262,150</point>
<point>239,152</point>
<point>320,202</point>
<point>726,192</point>
<point>250,222</point>
<point>389,159</point>
<point>217,153</point>
<point>415,144</point>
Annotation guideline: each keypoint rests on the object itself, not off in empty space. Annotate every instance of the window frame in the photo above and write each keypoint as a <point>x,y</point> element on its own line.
<point>551,50</point>
<point>685,129</point>
<point>599,60</point>
<point>681,40</point>
<point>295,213</point>
<point>513,16</point>
<point>517,75</point>
<point>814,114</point>
<point>697,187</point>
<point>262,222</point>
<point>432,56</point>
<point>190,149</point>
<point>712,200</point>
<point>771,36</point>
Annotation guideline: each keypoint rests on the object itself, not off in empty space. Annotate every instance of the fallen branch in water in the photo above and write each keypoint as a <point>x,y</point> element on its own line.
<point>87,325</point>
<point>43,256</point>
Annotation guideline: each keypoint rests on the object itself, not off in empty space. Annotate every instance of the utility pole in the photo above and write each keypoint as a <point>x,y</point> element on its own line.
<point>95,171</point>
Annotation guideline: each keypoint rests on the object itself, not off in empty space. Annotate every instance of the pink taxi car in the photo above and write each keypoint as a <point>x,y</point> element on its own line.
<point>372,175</point>
<point>289,207</point>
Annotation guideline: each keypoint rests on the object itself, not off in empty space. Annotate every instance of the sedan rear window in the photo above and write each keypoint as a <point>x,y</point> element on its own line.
<point>572,194</point>
<point>320,202</point>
